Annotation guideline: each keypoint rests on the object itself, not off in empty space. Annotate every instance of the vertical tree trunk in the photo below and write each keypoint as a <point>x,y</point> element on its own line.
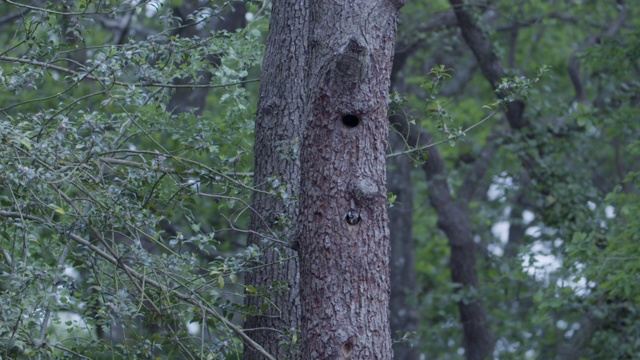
<point>344,240</point>
<point>404,317</point>
<point>185,99</point>
<point>404,293</point>
<point>453,219</point>
<point>277,165</point>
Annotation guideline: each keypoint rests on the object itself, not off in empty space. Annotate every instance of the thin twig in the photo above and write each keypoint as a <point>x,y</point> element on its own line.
<point>464,132</point>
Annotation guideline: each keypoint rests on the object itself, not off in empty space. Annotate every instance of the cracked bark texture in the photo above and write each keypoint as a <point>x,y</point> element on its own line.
<point>277,139</point>
<point>344,268</point>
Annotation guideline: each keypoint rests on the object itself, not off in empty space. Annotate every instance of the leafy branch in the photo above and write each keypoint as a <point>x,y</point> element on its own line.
<point>509,90</point>
<point>107,11</point>
<point>142,278</point>
<point>121,83</point>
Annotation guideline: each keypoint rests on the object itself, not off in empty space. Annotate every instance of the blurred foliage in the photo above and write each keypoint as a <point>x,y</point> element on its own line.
<point>569,290</point>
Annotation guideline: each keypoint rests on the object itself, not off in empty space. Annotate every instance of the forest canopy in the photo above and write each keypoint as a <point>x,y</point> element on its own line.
<point>127,164</point>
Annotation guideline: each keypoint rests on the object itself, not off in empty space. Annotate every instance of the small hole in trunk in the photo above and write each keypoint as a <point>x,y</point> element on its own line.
<point>350,120</point>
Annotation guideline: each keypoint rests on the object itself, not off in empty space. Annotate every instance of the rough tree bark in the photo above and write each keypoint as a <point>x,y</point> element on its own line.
<point>277,138</point>
<point>344,240</point>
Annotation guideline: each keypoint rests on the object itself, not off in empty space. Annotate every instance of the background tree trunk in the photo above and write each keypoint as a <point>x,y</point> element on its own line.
<point>344,240</point>
<point>186,99</point>
<point>453,220</point>
<point>277,166</point>
<point>404,315</point>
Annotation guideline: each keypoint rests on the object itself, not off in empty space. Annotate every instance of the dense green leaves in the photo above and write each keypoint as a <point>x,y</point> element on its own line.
<point>124,191</point>
<point>555,233</point>
<point>117,213</point>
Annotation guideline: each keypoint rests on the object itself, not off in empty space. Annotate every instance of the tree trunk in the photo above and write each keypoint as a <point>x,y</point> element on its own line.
<point>344,240</point>
<point>186,99</point>
<point>403,302</point>
<point>277,166</point>
<point>404,315</point>
<point>453,219</point>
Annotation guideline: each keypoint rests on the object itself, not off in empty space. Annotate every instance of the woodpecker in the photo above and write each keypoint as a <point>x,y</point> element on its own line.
<point>353,217</point>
